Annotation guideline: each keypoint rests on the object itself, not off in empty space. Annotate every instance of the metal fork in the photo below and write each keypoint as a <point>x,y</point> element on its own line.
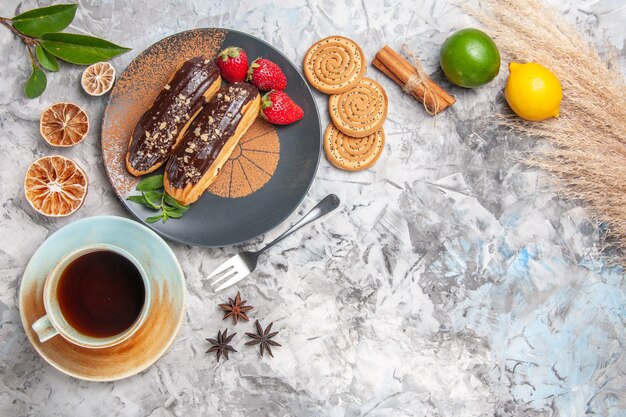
<point>240,266</point>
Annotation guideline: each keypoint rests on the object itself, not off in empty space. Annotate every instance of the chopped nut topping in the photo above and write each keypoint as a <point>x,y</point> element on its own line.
<point>219,95</point>
<point>189,150</point>
<point>167,86</point>
<point>182,97</point>
<point>227,98</point>
<point>204,137</point>
<point>206,61</point>
<point>197,131</point>
<point>211,120</point>
<point>162,126</point>
<point>229,114</point>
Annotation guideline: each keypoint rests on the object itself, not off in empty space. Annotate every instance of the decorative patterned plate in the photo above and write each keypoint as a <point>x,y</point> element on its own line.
<point>266,177</point>
<point>166,312</point>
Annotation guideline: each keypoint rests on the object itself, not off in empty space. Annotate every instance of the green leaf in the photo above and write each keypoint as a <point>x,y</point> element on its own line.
<point>80,49</point>
<point>46,60</point>
<point>154,219</point>
<point>172,202</point>
<point>158,200</point>
<point>174,214</point>
<point>139,199</point>
<point>153,198</point>
<point>36,22</point>
<point>151,183</point>
<point>36,83</point>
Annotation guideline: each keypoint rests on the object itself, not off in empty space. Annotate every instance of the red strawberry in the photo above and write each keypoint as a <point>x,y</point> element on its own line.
<point>279,109</point>
<point>266,75</point>
<point>233,63</point>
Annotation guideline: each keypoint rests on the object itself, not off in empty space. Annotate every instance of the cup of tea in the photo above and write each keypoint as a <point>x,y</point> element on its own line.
<point>95,297</point>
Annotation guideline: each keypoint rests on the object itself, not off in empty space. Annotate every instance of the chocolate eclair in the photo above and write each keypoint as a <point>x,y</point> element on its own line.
<point>210,140</point>
<point>162,126</point>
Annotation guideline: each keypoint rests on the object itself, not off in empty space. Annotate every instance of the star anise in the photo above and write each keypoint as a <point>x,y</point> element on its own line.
<point>263,338</point>
<point>236,309</point>
<point>220,345</point>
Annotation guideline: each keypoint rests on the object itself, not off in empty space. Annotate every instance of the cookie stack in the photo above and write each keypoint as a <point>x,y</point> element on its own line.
<point>357,105</point>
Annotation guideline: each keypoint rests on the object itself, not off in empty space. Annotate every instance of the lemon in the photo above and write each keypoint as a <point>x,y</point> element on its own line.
<point>533,92</point>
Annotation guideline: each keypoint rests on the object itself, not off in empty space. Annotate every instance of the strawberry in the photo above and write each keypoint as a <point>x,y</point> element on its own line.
<point>279,109</point>
<point>266,75</point>
<point>233,64</point>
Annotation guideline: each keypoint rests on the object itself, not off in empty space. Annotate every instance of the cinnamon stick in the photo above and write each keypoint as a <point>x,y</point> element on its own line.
<point>393,65</point>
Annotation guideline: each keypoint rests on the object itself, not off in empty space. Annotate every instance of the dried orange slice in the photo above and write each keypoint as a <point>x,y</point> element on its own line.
<point>63,124</point>
<point>98,78</point>
<point>55,186</point>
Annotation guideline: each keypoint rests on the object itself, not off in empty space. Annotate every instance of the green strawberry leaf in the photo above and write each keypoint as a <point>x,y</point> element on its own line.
<point>36,22</point>
<point>233,51</point>
<point>251,69</point>
<point>172,202</point>
<point>151,183</point>
<point>80,49</point>
<point>36,84</point>
<point>164,216</point>
<point>46,60</point>
<point>155,219</point>
<point>139,199</point>
<point>266,101</point>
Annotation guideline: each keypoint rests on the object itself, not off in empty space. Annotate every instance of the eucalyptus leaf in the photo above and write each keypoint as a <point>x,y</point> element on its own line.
<point>36,83</point>
<point>46,60</point>
<point>139,199</point>
<point>153,198</point>
<point>151,183</point>
<point>154,219</point>
<point>36,22</point>
<point>80,49</point>
<point>172,202</point>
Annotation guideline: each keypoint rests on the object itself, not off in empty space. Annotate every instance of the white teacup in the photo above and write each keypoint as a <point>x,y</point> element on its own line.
<point>54,323</point>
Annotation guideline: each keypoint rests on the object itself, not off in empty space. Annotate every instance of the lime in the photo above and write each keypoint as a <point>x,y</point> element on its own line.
<point>533,91</point>
<point>469,58</point>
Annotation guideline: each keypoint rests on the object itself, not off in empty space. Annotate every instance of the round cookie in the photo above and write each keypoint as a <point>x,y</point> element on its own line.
<point>360,111</point>
<point>332,65</point>
<point>352,154</point>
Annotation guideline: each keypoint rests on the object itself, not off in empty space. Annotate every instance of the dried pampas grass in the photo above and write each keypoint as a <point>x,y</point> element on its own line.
<point>587,142</point>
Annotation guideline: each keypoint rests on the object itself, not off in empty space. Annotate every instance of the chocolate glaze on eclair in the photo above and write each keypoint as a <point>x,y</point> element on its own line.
<point>163,125</point>
<point>210,140</point>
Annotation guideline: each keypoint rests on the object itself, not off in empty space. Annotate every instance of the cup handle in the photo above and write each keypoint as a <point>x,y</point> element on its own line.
<point>44,329</point>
